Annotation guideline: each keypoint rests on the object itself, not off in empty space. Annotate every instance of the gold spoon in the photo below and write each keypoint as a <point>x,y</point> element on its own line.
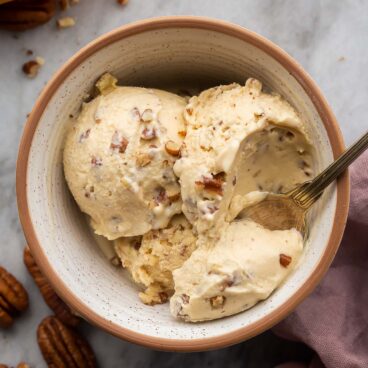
<point>288,210</point>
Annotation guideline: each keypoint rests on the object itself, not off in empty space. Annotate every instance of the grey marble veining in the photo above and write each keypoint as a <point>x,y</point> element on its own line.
<point>328,38</point>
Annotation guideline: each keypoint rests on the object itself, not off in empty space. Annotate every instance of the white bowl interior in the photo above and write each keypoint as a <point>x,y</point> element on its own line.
<point>170,57</point>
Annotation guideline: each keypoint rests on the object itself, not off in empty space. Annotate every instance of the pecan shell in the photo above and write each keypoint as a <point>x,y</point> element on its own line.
<point>19,15</point>
<point>13,298</point>
<point>62,347</point>
<point>61,310</point>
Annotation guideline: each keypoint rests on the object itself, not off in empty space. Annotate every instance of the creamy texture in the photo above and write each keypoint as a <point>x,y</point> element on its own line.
<point>233,136</point>
<point>116,163</point>
<point>240,270</point>
<point>151,259</point>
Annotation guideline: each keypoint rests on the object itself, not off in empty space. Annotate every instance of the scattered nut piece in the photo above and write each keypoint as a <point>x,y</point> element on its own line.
<point>23,365</point>
<point>217,301</point>
<point>148,134</point>
<point>143,159</point>
<point>61,310</point>
<point>64,4</point>
<point>285,260</point>
<point>65,22</point>
<point>29,52</point>
<point>182,133</point>
<point>31,68</point>
<point>13,298</point>
<point>63,347</point>
<point>172,148</point>
<point>122,2</point>
<point>147,116</point>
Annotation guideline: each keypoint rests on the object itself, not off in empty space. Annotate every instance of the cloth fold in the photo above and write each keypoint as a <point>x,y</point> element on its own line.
<point>333,320</point>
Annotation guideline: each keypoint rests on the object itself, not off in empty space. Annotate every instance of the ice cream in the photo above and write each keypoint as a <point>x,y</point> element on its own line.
<point>151,259</point>
<point>167,180</point>
<point>238,139</point>
<point>118,159</point>
<point>241,143</point>
<point>244,266</point>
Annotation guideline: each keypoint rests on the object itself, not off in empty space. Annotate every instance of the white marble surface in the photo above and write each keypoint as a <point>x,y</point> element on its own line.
<point>328,38</point>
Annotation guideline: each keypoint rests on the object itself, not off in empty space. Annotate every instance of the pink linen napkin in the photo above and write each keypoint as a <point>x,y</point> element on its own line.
<point>333,320</point>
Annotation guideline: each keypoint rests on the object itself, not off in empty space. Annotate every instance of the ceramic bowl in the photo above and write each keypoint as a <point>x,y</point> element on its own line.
<point>164,52</point>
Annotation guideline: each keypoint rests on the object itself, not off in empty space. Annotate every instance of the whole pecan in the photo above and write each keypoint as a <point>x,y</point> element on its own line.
<point>62,347</point>
<point>19,15</point>
<point>61,310</point>
<point>13,298</point>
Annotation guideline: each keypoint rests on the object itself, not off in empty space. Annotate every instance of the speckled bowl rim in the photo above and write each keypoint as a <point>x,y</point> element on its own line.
<point>325,113</point>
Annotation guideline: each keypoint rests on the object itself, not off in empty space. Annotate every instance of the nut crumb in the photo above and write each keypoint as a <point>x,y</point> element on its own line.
<point>23,365</point>
<point>122,2</point>
<point>65,22</point>
<point>29,52</point>
<point>31,68</point>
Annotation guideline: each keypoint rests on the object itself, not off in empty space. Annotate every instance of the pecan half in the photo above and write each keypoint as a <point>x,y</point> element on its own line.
<point>19,15</point>
<point>13,298</point>
<point>63,347</point>
<point>61,310</point>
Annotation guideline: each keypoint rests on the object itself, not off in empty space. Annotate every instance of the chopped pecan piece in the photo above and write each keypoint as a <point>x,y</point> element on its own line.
<point>118,143</point>
<point>31,68</point>
<point>148,133</point>
<point>84,135</point>
<point>213,183</point>
<point>182,133</point>
<point>13,298</point>
<point>61,310</point>
<point>185,298</point>
<point>23,365</point>
<point>96,161</point>
<point>160,196</point>
<point>143,159</point>
<point>147,116</point>
<point>62,346</point>
<point>285,260</point>
<point>172,148</point>
<point>122,2</point>
<point>189,111</point>
<point>217,301</point>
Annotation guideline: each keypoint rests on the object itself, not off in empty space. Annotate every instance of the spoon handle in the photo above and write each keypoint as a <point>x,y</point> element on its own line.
<point>309,192</point>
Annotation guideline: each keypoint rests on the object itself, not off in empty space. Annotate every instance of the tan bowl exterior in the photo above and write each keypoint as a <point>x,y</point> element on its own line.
<point>330,126</point>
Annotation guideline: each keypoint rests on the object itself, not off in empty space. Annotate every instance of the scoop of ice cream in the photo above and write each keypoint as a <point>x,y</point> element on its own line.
<point>152,258</point>
<point>119,155</point>
<point>244,267</point>
<point>239,139</point>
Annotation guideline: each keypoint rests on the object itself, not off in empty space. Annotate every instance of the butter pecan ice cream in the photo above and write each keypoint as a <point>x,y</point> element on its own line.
<point>119,155</point>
